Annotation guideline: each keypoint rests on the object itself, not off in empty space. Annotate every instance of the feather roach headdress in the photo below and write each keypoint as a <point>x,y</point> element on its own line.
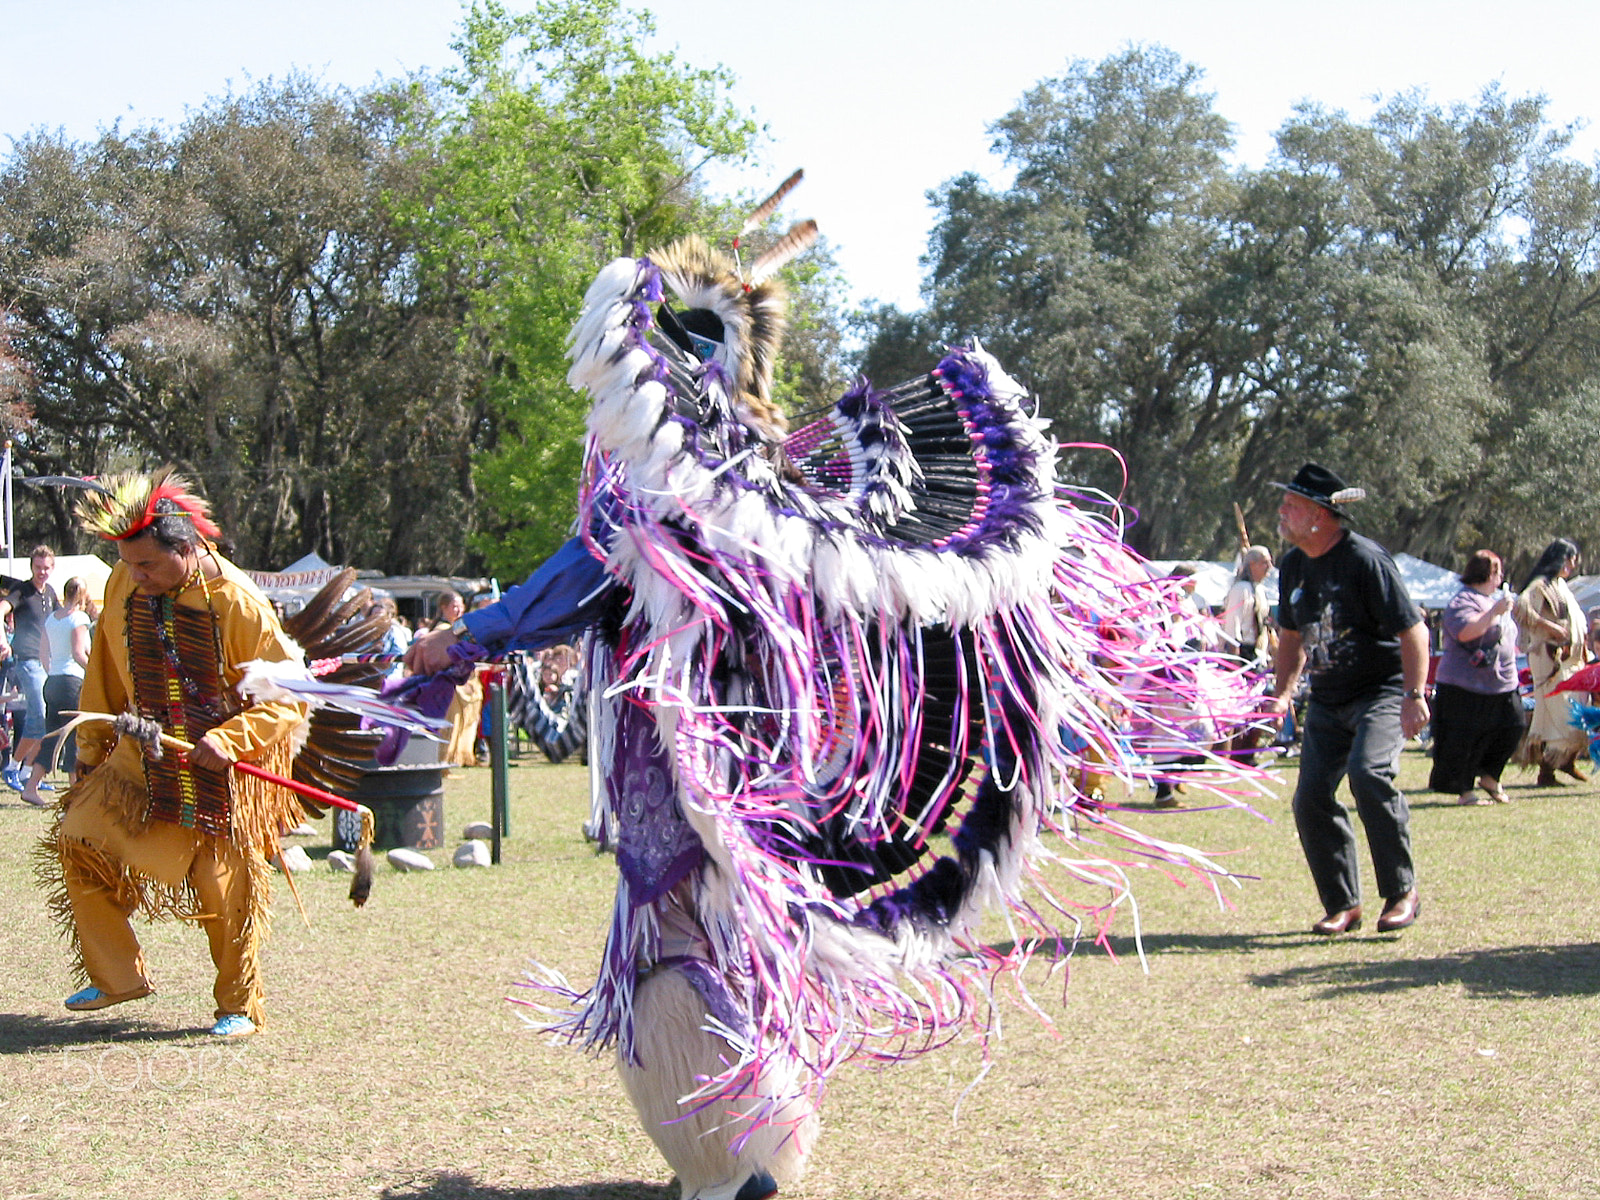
<point>723,321</point>
<point>124,506</point>
<point>734,318</point>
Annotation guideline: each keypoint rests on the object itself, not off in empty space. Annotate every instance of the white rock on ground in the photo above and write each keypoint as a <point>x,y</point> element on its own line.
<point>339,860</point>
<point>472,854</point>
<point>478,829</point>
<point>304,829</point>
<point>404,858</point>
<point>296,859</point>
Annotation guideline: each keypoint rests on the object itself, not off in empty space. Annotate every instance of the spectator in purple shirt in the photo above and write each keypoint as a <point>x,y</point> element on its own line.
<point>1477,713</point>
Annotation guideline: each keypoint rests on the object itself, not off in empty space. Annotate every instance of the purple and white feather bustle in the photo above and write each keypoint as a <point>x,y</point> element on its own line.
<point>809,693</point>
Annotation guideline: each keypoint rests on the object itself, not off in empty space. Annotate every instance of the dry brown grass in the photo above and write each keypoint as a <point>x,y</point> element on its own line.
<point>1253,1060</point>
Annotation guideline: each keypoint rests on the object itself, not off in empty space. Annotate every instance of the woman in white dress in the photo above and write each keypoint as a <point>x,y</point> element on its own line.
<point>1552,628</point>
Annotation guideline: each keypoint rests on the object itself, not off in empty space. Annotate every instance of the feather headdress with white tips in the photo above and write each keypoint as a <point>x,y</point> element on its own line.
<point>124,506</point>
<point>731,317</point>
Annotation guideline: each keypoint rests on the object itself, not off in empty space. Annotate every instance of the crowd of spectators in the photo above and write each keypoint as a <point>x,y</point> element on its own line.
<point>1346,650</point>
<point>1498,655</point>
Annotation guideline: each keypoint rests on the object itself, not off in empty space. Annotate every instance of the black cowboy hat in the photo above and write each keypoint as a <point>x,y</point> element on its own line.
<point>1321,486</point>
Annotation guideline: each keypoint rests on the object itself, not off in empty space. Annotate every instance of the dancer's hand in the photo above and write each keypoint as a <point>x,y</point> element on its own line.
<point>210,755</point>
<point>1274,705</point>
<point>430,653</point>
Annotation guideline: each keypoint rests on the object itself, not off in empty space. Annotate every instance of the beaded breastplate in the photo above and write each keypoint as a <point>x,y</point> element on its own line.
<point>176,659</point>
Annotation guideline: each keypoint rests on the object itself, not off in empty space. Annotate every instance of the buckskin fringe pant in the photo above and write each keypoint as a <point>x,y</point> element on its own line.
<point>110,871</point>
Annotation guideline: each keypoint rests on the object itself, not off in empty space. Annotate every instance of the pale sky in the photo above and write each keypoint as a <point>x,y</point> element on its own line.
<point>879,100</point>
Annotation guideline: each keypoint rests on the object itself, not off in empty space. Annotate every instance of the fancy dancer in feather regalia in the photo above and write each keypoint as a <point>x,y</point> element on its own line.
<point>813,657</point>
<point>177,835</point>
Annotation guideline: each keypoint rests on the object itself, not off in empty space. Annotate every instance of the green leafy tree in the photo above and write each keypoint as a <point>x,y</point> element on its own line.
<point>561,144</point>
<point>1483,238</point>
<point>1412,299</point>
<point>238,297</point>
<point>1103,277</point>
<point>346,313</point>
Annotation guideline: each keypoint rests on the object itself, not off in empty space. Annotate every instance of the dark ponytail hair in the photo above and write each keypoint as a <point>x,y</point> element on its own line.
<point>1551,561</point>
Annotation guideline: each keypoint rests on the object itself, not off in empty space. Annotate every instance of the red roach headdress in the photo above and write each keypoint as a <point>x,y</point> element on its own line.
<point>123,506</point>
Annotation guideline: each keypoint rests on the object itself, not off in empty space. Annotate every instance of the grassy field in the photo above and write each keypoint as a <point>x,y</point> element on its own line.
<point>1458,1059</point>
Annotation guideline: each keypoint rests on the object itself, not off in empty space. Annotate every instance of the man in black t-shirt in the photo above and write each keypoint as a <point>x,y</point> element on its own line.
<point>29,603</point>
<point>1348,624</point>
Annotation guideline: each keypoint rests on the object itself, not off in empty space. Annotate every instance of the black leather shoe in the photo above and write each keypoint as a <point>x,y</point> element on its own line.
<point>1399,912</point>
<point>1347,921</point>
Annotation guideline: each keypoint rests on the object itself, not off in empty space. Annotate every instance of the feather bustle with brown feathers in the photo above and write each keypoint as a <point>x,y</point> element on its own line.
<point>338,749</point>
<point>317,619</point>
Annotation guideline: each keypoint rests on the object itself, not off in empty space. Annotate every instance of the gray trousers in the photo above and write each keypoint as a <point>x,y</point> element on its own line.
<point>1361,739</point>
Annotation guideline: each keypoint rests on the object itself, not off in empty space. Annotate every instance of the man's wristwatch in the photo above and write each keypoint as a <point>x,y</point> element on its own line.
<point>1415,694</point>
<point>459,628</point>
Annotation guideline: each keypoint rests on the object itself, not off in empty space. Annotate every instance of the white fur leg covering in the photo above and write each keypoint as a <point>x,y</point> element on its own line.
<point>675,1055</point>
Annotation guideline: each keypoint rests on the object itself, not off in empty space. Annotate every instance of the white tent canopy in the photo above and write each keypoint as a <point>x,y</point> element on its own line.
<point>308,562</point>
<point>1429,586</point>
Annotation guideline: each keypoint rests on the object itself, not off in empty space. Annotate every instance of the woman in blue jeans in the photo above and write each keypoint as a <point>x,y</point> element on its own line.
<point>66,645</point>
<point>29,604</point>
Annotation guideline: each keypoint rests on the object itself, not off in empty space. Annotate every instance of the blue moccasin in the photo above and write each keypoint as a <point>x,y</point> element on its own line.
<point>91,998</point>
<point>233,1025</point>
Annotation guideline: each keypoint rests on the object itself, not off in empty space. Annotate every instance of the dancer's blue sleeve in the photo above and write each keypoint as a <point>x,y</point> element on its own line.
<point>556,604</point>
